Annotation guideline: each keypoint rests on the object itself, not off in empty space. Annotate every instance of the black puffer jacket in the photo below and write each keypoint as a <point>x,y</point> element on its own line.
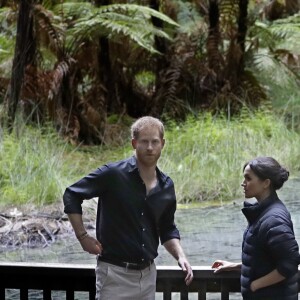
<point>269,243</point>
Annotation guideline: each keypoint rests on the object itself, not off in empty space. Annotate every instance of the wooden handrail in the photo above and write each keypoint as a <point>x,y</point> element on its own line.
<point>70,278</point>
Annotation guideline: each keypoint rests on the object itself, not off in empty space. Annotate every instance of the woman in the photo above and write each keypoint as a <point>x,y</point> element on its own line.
<point>270,253</point>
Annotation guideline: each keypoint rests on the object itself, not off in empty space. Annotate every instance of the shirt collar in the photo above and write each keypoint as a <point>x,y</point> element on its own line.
<point>133,167</point>
<point>132,164</point>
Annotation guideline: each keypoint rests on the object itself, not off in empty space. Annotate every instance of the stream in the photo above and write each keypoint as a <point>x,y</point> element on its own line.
<point>207,234</point>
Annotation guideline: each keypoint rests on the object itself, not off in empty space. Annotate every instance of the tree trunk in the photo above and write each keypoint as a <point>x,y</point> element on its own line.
<point>242,23</point>
<point>234,68</point>
<point>214,56</point>
<point>104,76</point>
<point>161,66</point>
<point>104,63</point>
<point>3,3</point>
<point>24,54</point>
<point>292,7</point>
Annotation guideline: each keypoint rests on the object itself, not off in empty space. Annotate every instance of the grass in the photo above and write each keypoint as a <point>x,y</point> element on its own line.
<point>31,169</point>
<point>204,156</point>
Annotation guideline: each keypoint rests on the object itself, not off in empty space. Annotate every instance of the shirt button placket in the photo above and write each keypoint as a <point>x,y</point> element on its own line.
<point>143,230</point>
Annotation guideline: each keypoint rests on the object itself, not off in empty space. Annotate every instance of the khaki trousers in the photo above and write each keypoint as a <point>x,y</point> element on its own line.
<point>118,283</point>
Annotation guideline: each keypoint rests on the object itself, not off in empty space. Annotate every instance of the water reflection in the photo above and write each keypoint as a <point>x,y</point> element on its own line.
<point>207,234</point>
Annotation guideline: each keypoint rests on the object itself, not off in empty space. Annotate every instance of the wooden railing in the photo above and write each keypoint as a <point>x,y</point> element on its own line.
<point>71,279</point>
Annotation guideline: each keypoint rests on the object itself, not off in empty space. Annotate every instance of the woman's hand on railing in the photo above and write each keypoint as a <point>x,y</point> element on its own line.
<point>223,265</point>
<point>91,245</point>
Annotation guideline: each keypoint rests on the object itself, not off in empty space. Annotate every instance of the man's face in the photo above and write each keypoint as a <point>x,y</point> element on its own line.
<point>148,146</point>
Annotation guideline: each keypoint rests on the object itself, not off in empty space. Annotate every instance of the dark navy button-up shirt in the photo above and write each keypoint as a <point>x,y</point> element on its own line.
<point>129,222</point>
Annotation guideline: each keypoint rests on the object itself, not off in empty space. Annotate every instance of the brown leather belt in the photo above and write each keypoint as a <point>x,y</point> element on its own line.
<point>128,265</point>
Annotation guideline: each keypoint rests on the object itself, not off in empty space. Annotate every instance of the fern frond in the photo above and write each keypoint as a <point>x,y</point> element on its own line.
<point>287,27</point>
<point>282,34</point>
<point>275,64</point>
<point>265,37</point>
<point>61,69</point>
<point>51,34</point>
<point>118,20</point>
<point>277,31</point>
<point>114,30</point>
<point>135,10</point>
<point>74,10</point>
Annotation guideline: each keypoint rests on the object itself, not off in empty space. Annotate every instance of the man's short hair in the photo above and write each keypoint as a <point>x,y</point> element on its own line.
<point>147,121</point>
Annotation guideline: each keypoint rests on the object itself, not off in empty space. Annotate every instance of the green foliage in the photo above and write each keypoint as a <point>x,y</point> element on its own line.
<point>204,156</point>
<point>188,17</point>
<point>116,21</point>
<point>288,27</point>
<point>277,66</point>
<point>283,33</point>
<point>275,63</point>
<point>279,37</point>
<point>7,40</point>
<point>284,93</point>
<point>74,10</point>
<point>30,167</point>
<point>6,48</point>
<point>145,79</point>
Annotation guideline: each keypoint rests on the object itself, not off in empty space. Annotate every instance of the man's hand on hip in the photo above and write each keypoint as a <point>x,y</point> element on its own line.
<point>91,245</point>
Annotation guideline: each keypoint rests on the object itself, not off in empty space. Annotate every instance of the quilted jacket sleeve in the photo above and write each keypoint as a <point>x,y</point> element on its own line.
<point>281,244</point>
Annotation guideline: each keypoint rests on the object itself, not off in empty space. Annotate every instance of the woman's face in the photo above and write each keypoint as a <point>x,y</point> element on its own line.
<point>255,187</point>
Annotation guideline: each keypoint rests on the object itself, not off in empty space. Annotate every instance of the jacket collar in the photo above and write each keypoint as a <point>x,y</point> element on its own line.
<point>253,210</point>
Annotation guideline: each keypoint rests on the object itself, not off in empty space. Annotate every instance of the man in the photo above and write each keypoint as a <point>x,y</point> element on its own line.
<point>136,208</point>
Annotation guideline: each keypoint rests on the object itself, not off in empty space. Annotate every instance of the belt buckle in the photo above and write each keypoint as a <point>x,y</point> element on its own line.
<point>133,266</point>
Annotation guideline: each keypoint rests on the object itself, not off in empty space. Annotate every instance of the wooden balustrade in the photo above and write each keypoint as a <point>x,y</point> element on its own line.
<point>70,279</point>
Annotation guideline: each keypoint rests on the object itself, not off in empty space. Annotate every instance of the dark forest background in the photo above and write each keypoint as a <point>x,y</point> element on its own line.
<point>83,65</point>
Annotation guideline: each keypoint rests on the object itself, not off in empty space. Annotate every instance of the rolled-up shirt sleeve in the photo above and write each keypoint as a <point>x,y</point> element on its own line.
<point>86,188</point>
<point>168,229</point>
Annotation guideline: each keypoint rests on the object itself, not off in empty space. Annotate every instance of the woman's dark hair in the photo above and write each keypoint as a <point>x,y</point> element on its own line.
<point>268,168</point>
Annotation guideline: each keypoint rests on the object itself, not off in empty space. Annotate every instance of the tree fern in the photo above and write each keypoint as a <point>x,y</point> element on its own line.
<point>275,41</point>
<point>118,20</point>
<point>74,10</point>
<point>272,34</point>
<point>289,32</point>
<point>49,28</point>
